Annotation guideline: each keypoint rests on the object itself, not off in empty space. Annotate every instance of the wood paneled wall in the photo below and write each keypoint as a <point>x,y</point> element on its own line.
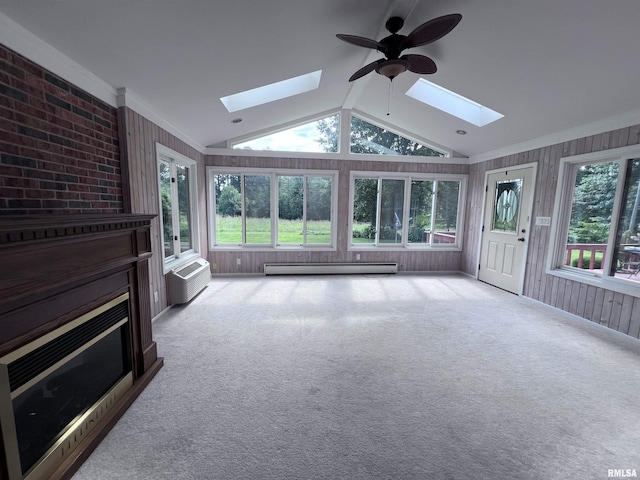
<point>414,261</point>
<point>615,310</point>
<point>138,137</point>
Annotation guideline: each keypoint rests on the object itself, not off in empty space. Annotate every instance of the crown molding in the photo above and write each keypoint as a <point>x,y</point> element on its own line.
<point>25,43</point>
<point>601,126</point>
<point>126,98</point>
<point>22,41</point>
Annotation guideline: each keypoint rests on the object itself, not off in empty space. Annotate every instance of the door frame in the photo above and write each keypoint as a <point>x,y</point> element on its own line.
<point>523,269</point>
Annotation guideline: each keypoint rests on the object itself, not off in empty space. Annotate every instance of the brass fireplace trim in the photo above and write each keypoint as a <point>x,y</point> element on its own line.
<point>78,430</point>
<point>40,341</point>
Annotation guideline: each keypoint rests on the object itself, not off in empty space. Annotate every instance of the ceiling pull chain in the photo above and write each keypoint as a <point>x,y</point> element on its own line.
<point>389,98</point>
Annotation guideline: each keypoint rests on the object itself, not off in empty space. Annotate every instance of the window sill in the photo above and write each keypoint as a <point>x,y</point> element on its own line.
<point>608,283</point>
<point>402,248</point>
<point>178,262</point>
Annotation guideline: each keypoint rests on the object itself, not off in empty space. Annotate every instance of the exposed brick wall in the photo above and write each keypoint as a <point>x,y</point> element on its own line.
<point>59,150</point>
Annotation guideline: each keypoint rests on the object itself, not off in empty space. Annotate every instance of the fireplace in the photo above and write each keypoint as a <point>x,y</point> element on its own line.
<point>75,337</point>
<point>56,387</point>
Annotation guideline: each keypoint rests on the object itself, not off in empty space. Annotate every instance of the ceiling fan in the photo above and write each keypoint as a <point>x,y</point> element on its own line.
<point>393,45</point>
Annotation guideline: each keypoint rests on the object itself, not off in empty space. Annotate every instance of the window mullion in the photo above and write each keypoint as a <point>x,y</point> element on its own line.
<point>305,181</point>
<point>274,211</point>
<point>378,210</point>
<point>175,209</point>
<point>406,212</point>
<point>615,216</point>
<point>243,210</point>
<point>564,215</point>
<point>434,210</point>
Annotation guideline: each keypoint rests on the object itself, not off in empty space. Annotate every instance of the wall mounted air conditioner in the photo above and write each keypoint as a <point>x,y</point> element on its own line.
<point>187,281</point>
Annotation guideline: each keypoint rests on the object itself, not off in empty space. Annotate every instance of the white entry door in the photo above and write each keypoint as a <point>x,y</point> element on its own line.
<point>505,228</point>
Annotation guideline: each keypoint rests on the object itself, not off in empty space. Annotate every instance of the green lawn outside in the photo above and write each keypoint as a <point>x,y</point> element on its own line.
<point>586,258</point>
<point>229,230</point>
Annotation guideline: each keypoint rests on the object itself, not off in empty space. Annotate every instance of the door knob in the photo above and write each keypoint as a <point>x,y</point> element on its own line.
<point>521,239</point>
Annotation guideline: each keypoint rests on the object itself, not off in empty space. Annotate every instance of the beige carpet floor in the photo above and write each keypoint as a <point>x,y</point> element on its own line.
<point>372,377</point>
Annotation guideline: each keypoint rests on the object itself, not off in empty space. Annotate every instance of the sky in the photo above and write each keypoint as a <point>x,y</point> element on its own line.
<point>297,139</point>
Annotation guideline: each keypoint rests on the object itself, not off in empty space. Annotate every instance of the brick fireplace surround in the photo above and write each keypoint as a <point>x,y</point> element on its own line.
<point>56,268</point>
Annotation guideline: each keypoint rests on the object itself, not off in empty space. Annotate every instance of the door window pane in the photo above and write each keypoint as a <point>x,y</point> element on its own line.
<point>257,198</point>
<point>446,221</point>
<point>506,206</point>
<point>420,211</point>
<point>365,210</point>
<point>167,217</point>
<point>184,209</point>
<point>228,209</point>
<point>391,211</point>
<point>318,210</point>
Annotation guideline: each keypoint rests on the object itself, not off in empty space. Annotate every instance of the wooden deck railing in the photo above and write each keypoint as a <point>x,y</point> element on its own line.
<point>592,248</point>
<point>440,237</point>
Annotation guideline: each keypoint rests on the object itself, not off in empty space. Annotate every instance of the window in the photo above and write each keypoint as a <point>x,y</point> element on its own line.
<point>598,232</point>
<point>369,138</point>
<point>284,209</point>
<point>317,136</point>
<point>177,186</point>
<point>324,136</point>
<point>405,211</point>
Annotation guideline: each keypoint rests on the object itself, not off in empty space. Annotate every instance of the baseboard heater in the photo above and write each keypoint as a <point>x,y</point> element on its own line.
<point>187,281</point>
<point>328,268</point>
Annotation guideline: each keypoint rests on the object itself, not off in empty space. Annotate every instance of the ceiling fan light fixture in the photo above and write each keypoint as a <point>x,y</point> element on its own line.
<point>392,68</point>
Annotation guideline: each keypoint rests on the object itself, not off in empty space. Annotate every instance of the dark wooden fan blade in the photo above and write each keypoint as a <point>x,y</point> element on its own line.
<point>364,70</point>
<point>432,30</point>
<point>359,41</point>
<point>420,64</point>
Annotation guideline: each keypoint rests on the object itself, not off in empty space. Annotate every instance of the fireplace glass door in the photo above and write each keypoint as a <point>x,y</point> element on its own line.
<point>56,380</point>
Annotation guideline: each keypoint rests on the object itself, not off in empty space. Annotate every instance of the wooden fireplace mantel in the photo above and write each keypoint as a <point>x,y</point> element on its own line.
<point>55,268</point>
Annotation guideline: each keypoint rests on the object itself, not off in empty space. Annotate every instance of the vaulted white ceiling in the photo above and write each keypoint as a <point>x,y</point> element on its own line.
<point>547,65</point>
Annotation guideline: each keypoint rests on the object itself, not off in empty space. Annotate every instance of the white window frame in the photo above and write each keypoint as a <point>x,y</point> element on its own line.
<point>172,158</point>
<point>344,141</point>
<point>562,212</point>
<point>273,175</point>
<point>408,178</point>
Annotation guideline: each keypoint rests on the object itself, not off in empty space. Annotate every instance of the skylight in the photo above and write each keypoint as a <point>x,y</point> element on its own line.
<point>272,92</point>
<point>317,136</point>
<point>452,103</point>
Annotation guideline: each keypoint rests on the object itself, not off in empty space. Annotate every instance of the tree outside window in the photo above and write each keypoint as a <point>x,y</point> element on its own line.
<point>177,188</point>
<point>382,217</point>
<point>245,213</point>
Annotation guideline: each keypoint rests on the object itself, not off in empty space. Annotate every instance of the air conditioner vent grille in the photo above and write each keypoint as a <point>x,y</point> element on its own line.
<point>184,272</point>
